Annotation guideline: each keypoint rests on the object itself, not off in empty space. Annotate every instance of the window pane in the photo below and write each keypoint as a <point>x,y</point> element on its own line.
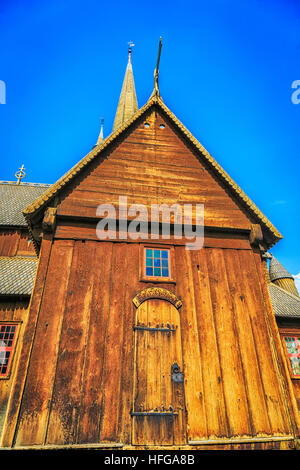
<point>164,253</point>
<point>165,272</point>
<point>156,253</point>
<point>157,262</point>
<point>157,272</point>
<point>293,350</point>
<point>7,336</point>
<point>149,261</point>
<point>149,253</point>
<point>165,263</point>
<point>291,345</point>
<point>149,271</point>
<point>295,362</point>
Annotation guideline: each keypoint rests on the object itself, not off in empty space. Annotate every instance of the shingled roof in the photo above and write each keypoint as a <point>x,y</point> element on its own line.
<point>277,271</point>
<point>17,275</point>
<point>14,198</point>
<point>284,303</point>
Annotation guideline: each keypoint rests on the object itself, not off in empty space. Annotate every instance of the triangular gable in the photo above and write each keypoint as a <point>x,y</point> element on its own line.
<point>42,202</point>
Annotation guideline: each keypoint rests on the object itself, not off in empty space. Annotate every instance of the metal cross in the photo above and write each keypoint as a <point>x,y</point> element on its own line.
<point>20,174</point>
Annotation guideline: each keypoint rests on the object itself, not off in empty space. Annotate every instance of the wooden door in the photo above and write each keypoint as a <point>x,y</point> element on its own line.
<point>158,415</point>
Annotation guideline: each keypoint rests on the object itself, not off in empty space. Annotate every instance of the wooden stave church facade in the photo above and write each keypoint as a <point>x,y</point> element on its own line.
<point>76,378</point>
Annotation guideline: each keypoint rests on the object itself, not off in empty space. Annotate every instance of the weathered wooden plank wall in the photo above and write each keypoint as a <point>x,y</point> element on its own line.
<point>15,242</point>
<point>79,385</point>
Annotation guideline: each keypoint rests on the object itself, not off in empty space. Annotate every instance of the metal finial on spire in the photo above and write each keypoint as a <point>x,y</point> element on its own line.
<point>130,46</point>
<point>156,71</point>
<point>20,174</point>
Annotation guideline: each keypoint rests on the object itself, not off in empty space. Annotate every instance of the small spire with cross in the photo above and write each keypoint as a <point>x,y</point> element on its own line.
<point>100,138</point>
<point>20,174</point>
<point>127,105</point>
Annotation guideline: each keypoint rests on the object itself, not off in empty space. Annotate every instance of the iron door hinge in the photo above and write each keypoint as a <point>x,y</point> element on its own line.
<point>168,329</point>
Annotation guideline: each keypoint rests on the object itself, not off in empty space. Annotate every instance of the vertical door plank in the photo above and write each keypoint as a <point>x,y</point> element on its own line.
<point>140,375</point>
<point>154,357</point>
<point>166,346</point>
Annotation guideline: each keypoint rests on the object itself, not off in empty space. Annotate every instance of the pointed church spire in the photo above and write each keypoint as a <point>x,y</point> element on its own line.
<point>100,138</point>
<point>280,276</point>
<point>128,105</point>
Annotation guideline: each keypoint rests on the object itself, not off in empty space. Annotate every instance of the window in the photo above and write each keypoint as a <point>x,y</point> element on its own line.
<point>7,342</point>
<point>292,344</point>
<point>157,264</point>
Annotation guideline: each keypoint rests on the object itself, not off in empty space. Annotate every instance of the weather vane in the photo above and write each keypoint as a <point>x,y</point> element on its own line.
<point>130,44</point>
<point>20,174</point>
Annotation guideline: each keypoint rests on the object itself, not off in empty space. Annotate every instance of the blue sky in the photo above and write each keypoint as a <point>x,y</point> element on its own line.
<point>226,71</point>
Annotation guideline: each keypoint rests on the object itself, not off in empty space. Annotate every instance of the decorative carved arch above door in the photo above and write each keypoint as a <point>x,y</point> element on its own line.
<point>156,293</point>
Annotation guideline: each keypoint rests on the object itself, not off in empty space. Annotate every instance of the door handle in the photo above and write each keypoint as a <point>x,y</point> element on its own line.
<point>176,375</point>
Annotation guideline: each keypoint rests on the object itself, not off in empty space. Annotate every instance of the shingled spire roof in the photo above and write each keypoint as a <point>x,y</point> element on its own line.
<point>128,105</point>
<point>277,271</point>
<point>100,138</point>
